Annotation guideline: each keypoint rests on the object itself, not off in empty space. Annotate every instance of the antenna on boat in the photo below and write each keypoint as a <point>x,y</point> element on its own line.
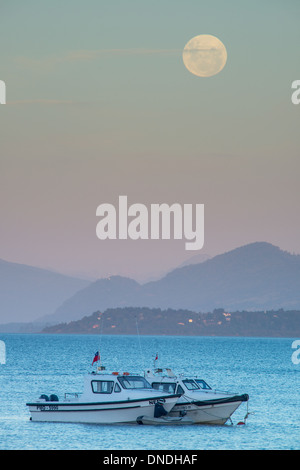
<point>138,334</point>
<point>96,359</point>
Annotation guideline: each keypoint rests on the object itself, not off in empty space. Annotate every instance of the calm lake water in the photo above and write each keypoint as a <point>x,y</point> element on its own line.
<point>261,367</point>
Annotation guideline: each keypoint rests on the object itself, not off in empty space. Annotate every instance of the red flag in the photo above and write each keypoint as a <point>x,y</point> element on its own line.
<point>96,358</point>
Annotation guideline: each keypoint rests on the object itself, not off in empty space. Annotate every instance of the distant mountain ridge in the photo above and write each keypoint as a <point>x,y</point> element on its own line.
<point>257,276</point>
<point>27,292</point>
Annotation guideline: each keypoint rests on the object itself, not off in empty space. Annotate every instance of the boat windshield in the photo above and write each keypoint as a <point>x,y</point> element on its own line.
<point>202,384</point>
<point>190,384</point>
<point>134,382</point>
<point>165,386</point>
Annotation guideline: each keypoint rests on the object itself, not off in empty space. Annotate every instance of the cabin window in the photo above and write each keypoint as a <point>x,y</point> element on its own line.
<point>117,388</point>
<point>190,384</point>
<point>102,386</point>
<point>203,384</point>
<point>164,387</point>
<point>180,390</point>
<point>132,382</point>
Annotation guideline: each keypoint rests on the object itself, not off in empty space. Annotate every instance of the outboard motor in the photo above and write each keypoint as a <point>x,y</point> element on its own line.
<point>53,397</point>
<point>44,397</point>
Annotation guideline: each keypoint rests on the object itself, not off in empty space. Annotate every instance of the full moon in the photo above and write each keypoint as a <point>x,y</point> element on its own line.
<point>204,55</point>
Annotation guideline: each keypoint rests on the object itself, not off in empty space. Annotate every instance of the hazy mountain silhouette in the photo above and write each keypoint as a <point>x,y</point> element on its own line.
<point>253,277</point>
<point>113,291</point>
<point>200,258</point>
<point>27,293</point>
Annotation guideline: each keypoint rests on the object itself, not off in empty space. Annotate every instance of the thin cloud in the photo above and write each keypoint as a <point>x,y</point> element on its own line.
<point>49,62</point>
<point>40,101</point>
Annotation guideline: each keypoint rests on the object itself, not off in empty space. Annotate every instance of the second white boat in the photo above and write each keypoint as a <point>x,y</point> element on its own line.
<point>198,402</point>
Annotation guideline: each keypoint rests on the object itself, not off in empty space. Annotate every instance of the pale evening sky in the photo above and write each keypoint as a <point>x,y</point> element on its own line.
<point>99,104</point>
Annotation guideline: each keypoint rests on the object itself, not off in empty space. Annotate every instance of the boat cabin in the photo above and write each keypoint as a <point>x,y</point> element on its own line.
<point>113,384</point>
<point>174,384</point>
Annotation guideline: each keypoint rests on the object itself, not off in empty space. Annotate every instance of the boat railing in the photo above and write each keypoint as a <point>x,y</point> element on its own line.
<point>225,392</point>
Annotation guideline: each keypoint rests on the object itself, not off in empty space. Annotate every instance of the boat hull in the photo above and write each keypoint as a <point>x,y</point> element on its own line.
<point>165,420</point>
<point>216,411</point>
<point>99,413</point>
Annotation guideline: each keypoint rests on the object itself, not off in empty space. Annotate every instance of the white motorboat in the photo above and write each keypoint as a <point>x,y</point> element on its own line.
<point>198,402</point>
<point>107,398</point>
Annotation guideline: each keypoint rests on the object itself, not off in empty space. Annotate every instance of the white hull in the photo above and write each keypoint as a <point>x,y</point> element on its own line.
<point>217,413</point>
<point>198,402</point>
<point>98,413</point>
<point>164,420</point>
